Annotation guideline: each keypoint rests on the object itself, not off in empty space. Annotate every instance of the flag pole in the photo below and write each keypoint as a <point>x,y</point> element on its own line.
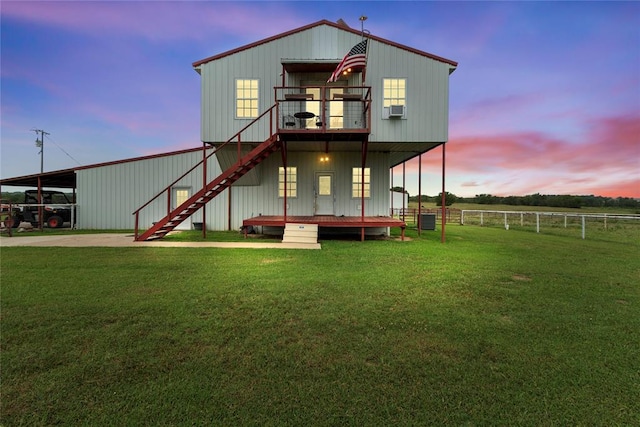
<point>366,53</point>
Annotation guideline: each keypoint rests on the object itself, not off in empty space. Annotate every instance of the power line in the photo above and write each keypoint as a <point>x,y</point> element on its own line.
<point>62,149</point>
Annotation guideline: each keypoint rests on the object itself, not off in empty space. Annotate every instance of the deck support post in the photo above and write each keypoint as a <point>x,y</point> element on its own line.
<point>284,166</point>
<point>204,185</point>
<point>364,163</point>
<point>404,186</point>
<point>444,209</point>
<point>392,192</point>
<point>229,209</point>
<point>40,204</point>
<point>419,194</point>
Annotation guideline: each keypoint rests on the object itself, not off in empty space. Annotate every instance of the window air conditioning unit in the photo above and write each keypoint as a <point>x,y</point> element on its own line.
<point>396,111</point>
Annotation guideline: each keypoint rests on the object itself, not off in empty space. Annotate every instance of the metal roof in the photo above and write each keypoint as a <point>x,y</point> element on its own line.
<point>66,178</point>
<point>316,24</point>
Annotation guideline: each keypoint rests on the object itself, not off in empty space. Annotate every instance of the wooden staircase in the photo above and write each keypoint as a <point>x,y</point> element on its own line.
<point>211,190</point>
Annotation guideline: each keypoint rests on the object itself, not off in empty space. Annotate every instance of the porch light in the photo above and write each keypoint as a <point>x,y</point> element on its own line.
<point>324,159</point>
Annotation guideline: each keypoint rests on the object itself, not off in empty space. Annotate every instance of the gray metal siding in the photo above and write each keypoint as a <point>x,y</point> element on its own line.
<point>108,195</point>
<point>263,200</point>
<point>263,62</point>
<point>427,102</point>
<point>427,82</point>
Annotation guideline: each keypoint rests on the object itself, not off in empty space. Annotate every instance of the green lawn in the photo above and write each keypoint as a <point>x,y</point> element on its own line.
<point>493,327</point>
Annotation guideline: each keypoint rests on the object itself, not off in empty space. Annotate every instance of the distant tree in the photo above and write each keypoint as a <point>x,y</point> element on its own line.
<point>13,197</point>
<point>486,199</point>
<point>449,199</point>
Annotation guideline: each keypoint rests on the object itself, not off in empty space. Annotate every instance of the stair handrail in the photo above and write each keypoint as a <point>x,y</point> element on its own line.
<point>215,150</point>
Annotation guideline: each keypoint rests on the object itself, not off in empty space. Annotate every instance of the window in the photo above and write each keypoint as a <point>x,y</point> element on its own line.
<point>181,196</point>
<point>246,98</point>
<point>292,182</point>
<point>394,92</point>
<point>356,180</point>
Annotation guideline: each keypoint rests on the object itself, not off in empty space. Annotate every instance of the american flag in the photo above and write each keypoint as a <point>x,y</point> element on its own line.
<point>357,57</point>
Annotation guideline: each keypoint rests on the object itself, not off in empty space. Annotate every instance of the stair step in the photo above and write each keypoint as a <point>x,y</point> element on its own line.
<point>213,189</point>
<point>300,233</point>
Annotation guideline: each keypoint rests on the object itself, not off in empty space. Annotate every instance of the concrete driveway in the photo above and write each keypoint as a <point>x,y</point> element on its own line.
<point>126,240</point>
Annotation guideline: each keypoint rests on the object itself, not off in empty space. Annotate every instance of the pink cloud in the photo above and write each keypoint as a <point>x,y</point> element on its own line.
<point>606,162</point>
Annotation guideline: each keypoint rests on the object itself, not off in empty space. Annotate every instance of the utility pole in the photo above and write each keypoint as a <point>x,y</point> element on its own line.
<point>40,144</point>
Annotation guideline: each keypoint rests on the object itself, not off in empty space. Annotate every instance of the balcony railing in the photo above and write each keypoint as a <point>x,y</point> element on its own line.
<point>323,109</point>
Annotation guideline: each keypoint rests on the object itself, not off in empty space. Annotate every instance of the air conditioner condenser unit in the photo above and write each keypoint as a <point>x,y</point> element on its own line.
<point>396,111</point>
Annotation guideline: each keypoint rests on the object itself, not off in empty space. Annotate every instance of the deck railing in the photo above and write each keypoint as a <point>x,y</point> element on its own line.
<point>324,109</point>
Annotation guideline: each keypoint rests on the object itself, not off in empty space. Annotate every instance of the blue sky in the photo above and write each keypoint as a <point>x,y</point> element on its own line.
<point>546,97</point>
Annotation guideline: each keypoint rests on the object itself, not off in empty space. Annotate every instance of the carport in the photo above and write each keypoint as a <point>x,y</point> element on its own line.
<point>65,178</point>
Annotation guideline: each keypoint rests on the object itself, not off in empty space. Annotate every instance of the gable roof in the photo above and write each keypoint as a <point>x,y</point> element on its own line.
<point>317,24</point>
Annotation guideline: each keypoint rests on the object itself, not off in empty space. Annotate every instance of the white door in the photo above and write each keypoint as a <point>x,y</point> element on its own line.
<point>324,194</point>
<point>178,197</point>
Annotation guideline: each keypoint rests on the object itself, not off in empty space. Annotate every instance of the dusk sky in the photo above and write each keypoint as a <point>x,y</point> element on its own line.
<point>545,99</point>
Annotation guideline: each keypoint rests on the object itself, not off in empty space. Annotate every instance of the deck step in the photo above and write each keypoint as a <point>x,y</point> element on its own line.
<point>300,233</point>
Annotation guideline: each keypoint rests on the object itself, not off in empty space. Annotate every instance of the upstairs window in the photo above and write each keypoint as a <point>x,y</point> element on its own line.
<point>394,92</point>
<point>291,180</point>
<point>356,180</point>
<point>246,98</point>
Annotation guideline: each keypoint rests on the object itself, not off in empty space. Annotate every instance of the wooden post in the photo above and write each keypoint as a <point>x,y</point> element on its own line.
<point>40,207</point>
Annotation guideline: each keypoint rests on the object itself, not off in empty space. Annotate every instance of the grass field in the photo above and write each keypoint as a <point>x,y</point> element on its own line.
<point>493,327</point>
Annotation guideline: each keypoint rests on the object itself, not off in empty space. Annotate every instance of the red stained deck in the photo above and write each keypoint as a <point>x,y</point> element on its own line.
<point>328,221</point>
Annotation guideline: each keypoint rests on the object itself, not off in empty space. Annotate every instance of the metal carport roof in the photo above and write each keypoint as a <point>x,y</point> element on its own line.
<point>65,178</point>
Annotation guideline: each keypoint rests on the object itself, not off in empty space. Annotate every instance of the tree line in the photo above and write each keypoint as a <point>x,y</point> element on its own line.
<point>549,200</point>
<point>18,196</point>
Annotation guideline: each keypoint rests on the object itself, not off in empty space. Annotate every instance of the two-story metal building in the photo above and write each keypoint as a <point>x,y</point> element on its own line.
<point>282,144</point>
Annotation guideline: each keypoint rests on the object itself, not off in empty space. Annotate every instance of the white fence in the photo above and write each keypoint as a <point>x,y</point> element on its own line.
<point>549,219</point>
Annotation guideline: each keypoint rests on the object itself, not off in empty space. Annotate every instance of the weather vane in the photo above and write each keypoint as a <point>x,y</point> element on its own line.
<point>362,19</point>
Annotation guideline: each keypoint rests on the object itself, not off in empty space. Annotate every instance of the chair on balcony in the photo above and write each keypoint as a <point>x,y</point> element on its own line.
<point>289,121</point>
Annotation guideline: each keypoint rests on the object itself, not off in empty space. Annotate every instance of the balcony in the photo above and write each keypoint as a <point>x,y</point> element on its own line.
<point>323,112</point>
